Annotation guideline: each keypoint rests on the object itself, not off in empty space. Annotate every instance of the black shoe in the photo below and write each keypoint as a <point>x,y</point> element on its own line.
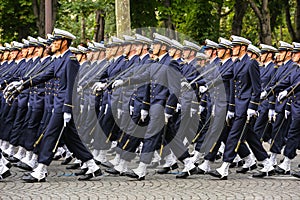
<point>131,174</point>
<point>12,159</point>
<point>215,173</point>
<point>188,173</point>
<point>81,172</point>
<point>57,157</point>
<point>244,170</point>
<point>67,160</point>
<point>9,165</point>
<point>90,175</point>
<point>263,174</point>
<point>201,171</point>
<point>74,166</point>
<point>112,171</point>
<point>153,165</point>
<point>299,165</point>
<point>4,154</point>
<point>165,170</point>
<point>5,175</point>
<point>296,174</point>
<point>236,164</point>
<point>31,179</point>
<point>107,164</point>
<point>279,170</point>
<point>23,166</point>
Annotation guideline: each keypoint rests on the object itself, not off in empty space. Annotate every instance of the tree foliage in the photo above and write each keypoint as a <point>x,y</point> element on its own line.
<point>192,19</point>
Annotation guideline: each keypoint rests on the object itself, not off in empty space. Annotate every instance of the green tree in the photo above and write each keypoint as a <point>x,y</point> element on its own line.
<point>17,20</point>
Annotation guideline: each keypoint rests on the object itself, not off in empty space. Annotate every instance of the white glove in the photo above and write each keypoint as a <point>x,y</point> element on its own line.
<point>81,108</point>
<point>98,86</point>
<point>213,110</point>
<point>192,112</point>
<point>178,107</point>
<point>14,84</point>
<point>271,114</point>
<point>117,83</point>
<point>202,89</point>
<point>67,118</point>
<point>201,109</point>
<point>144,114</point>
<point>167,117</point>
<point>229,116</point>
<point>263,94</point>
<point>286,114</point>
<point>119,113</point>
<point>185,84</point>
<point>79,89</point>
<point>274,117</point>
<point>105,109</point>
<point>250,113</point>
<point>282,95</point>
<point>131,109</point>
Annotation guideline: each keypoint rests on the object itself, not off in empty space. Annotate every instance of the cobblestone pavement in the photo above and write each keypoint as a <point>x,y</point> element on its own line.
<point>62,184</point>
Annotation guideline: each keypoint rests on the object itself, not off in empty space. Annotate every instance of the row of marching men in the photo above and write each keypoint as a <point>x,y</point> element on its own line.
<point>158,100</point>
<point>143,102</point>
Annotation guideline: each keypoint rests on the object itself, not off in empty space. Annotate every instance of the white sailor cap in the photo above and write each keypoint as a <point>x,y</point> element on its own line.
<point>264,48</point>
<point>25,42</point>
<point>33,42</point>
<point>296,46</point>
<point>128,39</point>
<point>74,50</point>
<point>238,40</point>
<point>191,45</point>
<point>43,42</point>
<point>2,49</point>
<point>82,49</point>
<point>176,45</point>
<point>16,46</point>
<point>7,46</point>
<point>284,46</point>
<point>224,43</point>
<point>201,56</point>
<point>210,44</point>
<point>254,49</point>
<point>60,34</point>
<point>99,45</point>
<point>161,39</point>
<point>116,41</point>
<point>142,39</point>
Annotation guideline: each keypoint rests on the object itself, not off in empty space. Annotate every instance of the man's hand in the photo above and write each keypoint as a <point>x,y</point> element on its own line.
<point>229,116</point>
<point>271,114</point>
<point>67,118</point>
<point>203,89</point>
<point>144,114</point>
<point>98,86</point>
<point>282,95</point>
<point>117,83</point>
<point>251,113</point>
<point>167,117</point>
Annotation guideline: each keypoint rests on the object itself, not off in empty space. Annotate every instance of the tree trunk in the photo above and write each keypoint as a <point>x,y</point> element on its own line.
<point>123,17</point>
<point>240,8</point>
<point>39,13</point>
<point>83,27</point>
<point>266,34</point>
<point>168,22</point>
<point>297,21</point>
<point>264,18</point>
<point>288,20</point>
<point>54,11</point>
<point>99,27</point>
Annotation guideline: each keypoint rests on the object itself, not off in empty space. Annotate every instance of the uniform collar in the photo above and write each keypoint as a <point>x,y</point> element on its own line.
<point>266,64</point>
<point>224,61</point>
<point>161,56</point>
<point>143,56</point>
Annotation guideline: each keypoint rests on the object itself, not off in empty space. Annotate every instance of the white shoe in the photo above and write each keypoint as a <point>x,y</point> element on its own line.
<point>122,166</point>
<point>268,166</point>
<point>224,169</point>
<point>286,164</point>
<point>273,159</point>
<point>20,153</point>
<point>92,167</point>
<point>101,157</point>
<point>205,166</point>
<point>116,160</point>
<point>141,170</point>
<point>249,161</point>
<point>188,165</point>
<point>170,160</point>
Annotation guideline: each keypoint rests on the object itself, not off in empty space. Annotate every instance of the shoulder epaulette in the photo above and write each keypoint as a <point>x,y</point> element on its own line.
<point>73,58</point>
<point>276,66</point>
